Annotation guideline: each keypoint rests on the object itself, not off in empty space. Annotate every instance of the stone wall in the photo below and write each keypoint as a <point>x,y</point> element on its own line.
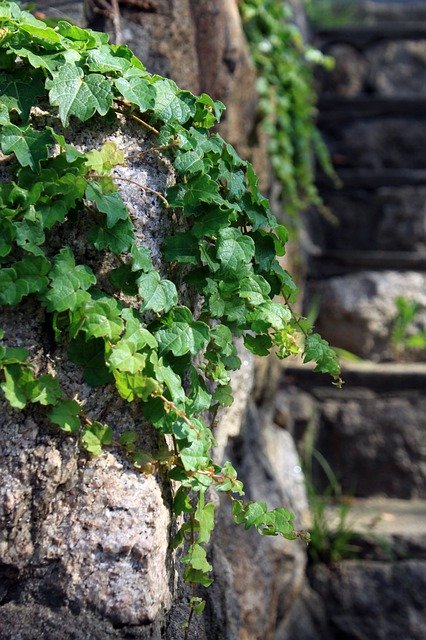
<point>84,544</point>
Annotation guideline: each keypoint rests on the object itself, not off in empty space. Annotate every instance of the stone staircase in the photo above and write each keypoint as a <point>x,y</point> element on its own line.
<point>372,113</point>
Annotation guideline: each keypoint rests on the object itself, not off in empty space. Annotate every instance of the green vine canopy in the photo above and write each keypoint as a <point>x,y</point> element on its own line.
<point>174,366</point>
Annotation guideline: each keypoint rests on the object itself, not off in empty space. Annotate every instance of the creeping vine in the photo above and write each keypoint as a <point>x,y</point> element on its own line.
<point>285,66</point>
<point>173,365</point>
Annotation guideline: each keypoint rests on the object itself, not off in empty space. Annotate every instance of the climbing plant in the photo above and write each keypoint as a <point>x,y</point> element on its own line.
<point>135,334</point>
<point>287,104</point>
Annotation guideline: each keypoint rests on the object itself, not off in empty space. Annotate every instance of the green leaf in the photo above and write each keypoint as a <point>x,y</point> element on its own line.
<point>141,258</point>
<point>99,318</point>
<point>197,558</point>
<point>124,357</point>
<point>90,354</point>
<point>78,95</point>
<point>28,145</point>
<point>135,385</point>
<point>168,106</point>
<point>182,248</point>
<point>181,338</point>
<point>17,385</point>
<point>204,515</point>
<point>138,91</point>
<point>46,390</point>
<point>254,289</point>
<point>233,249</point>
<point>12,288</point>
<point>19,90</point>
<point>30,235</point>
<point>103,60</point>
<point>157,294</point>
<point>66,415</point>
<point>259,345</point>
<point>318,349</point>
<point>270,314</point>
<point>118,239</point>
<point>95,436</point>
<point>199,189</point>
<point>68,283</point>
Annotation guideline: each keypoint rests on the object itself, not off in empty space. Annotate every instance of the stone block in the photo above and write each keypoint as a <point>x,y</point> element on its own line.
<point>388,219</point>
<point>349,76</point>
<point>398,68</point>
<point>373,600</point>
<point>388,143</point>
<point>357,311</point>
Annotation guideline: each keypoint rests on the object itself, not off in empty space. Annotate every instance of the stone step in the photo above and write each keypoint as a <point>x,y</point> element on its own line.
<point>374,179</point>
<point>328,264</point>
<point>336,108</point>
<point>387,227</point>
<point>388,526</point>
<point>365,35</point>
<point>370,432</point>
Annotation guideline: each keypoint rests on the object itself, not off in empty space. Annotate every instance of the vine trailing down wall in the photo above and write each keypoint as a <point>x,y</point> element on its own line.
<point>126,327</point>
<point>287,106</point>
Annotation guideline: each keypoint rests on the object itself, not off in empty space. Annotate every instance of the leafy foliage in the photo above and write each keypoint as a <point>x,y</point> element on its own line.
<point>287,99</point>
<point>144,342</point>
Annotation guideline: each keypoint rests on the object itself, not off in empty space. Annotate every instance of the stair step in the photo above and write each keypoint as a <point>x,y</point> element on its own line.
<point>334,107</point>
<point>363,36</point>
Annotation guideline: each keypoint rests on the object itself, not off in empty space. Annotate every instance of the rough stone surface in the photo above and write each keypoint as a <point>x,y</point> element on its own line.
<point>378,144</point>
<point>357,310</point>
<point>389,219</point>
<point>349,74</point>
<point>398,69</point>
<point>371,434</point>
<point>373,600</point>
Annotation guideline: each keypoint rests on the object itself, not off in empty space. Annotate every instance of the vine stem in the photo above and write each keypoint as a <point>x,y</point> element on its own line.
<point>171,405</point>
<point>137,184</point>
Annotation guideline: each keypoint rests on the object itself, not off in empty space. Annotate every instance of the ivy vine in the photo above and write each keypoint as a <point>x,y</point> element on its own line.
<point>285,66</point>
<point>176,367</point>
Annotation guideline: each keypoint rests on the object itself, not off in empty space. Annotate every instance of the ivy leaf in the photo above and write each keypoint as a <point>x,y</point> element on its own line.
<point>102,60</point>
<point>12,288</point>
<point>66,415</point>
<point>270,314</point>
<point>98,318</point>
<point>16,386</point>
<point>118,239</point>
<point>141,258</point>
<point>197,558</point>
<point>78,95</point>
<point>135,385</point>
<point>204,515</point>
<point>123,357</point>
<point>259,344</point>
<point>46,390</point>
<point>68,283</point>
<point>28,145</point>
<point>181,248</point>
<point>318,349</point>
<point>199,189</point>
<point>157,294</point>
<point>90,354</point>
<point>109,203</point>
<point>95,436</point>
<point>30,235</point>
<point>138,91</point>
<point>168,106</point>
<point>189,161</point>
<point>234,249</point>
<point>19,90</point>
<point>181,338</point>
<point>254,289</point>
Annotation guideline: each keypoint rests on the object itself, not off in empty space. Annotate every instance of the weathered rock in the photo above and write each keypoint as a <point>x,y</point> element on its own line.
<point>370,432</point>
<point>398,69</point>
<point>373,600</point>
<point>349,75</point>
<point>357,310</point>
<point>378,144</point>
<point>267,573</point>
<point>390,219</point>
